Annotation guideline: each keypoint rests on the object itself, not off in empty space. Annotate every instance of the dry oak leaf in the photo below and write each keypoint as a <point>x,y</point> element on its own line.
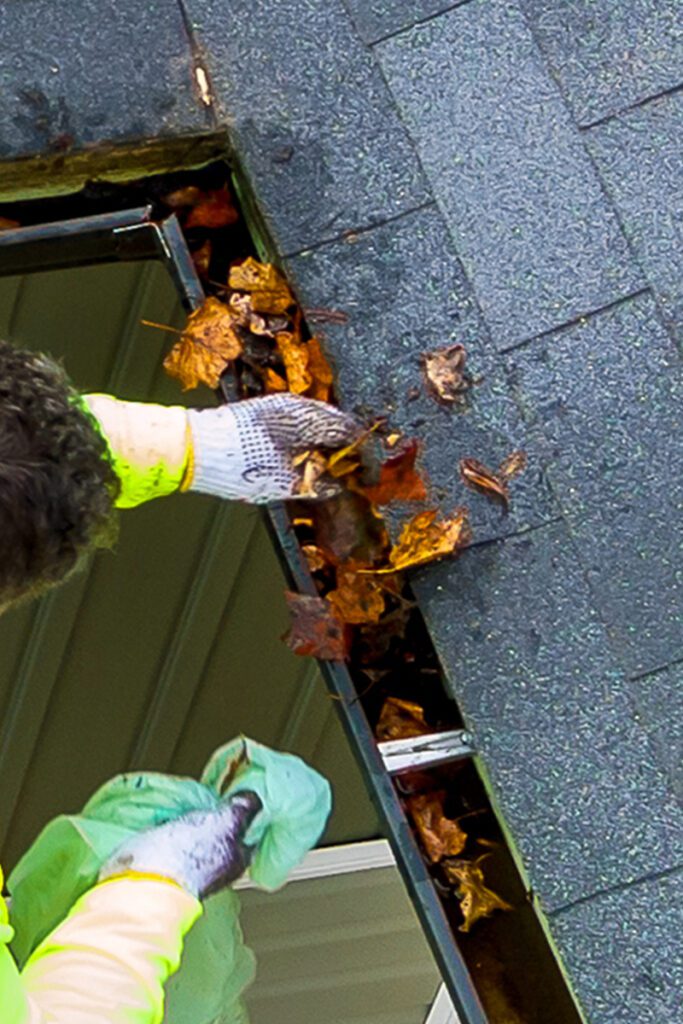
<point>400,719</point>
<point>398,478</point>
<point>356,599</point>
<point>476,900</point>
<point>444,370</point>
<point>441,836</point>
<point>320,372</point>
<point>294,353</point>
<point>208,343</point>
<point>315,629</point>
<point>268,289</point>
<point>492,484</point>
<point>425,538</point>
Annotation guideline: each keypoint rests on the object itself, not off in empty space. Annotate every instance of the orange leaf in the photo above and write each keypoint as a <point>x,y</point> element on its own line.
<point>188,196</point>
<point>441,836</point>
<point>320,371</point>
<point>476,900</point>
<point>208,343</point>
<point>445,373</point>
<point>314,556</point>
<point>425,539</point>
<point>201,258</point>
<point>357,598</point>
<point>273,381</point>
<point>480,478</point>
<point>398,478</point>
<point>401,719</point>
<point>294,354</point>
<point>214,210</point>
<point>513,464</point>
<point>269,291</point>
<point>315,629</point>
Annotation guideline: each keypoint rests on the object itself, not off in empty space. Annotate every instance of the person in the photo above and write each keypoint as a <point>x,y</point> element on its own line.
<point>107,960</point>
<point>68,462</point>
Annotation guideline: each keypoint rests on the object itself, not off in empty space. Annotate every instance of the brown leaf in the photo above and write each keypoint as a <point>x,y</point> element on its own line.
<point>214,209</point>
<point>400,719</point>
<point>246,317</point>
<point>345,460</point>
<point>476,900</point>
<point>7,224</point>
<point>315,629</point>
<point>208,343</point>
<point>357,598</point>
<point>314,465</point>
<point>479,477</point>
<point>294,354</point>
<point>444,370</point>
<point>441,836</point>
<point>322,377</point>
<point>181,197</point>
<point>347,530</point>
<point>233,766</point>
<point>513,464</point>
<point>425,539</point>
<point>272,381</point>
<point>398,478</point>
<point>268,289</point>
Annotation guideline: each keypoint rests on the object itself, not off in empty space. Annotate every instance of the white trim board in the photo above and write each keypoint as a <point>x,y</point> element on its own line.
<point>337,860</point>
<point>442,1010</point>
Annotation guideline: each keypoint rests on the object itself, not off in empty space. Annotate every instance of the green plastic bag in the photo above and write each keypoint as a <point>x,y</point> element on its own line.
<point>66,858</point>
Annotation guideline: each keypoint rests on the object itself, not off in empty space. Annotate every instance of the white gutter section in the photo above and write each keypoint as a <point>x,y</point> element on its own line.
<point>442,1010</point>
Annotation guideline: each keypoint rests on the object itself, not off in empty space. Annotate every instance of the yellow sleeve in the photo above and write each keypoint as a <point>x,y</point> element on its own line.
<point>107,962</point>
<point>149,445</point>
<point>13,1000</point>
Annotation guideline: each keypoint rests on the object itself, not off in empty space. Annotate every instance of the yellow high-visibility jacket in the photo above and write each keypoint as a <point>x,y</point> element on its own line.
<point>107,962</point>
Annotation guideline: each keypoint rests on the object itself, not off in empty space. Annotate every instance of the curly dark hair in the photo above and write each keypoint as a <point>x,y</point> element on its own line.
<point>57,485</point>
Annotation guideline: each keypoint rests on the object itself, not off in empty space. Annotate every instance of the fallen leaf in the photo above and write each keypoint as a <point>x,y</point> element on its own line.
<point>398,478</point>
<point>513,464</point>
<point>346,460</point>
<point>322,377</point>
<point>7,224</point>
<point>400,719</point>
<point>376,641</point>
<point>356,599</point>
<point>314,556</point>
<point>441,836</point>
<point>272,381</point>
<point>425,538</point>
<point>246,317</point>
<point>201,258</point>
<point>347,529</point>
<point>214,209</point>
<point>294,353</point>
<point>444,370</point>
<point>208,343</point>
<point>479,477</point>
<point>315,629</point>
<point>268,289</point>
<point>476,900</point>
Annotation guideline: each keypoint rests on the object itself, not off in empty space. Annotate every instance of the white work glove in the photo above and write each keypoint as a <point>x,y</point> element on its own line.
<point>245,450</point>
<point>203,851</point>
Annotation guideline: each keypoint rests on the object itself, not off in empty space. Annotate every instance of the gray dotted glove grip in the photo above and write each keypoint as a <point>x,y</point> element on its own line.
<point>245,450</point>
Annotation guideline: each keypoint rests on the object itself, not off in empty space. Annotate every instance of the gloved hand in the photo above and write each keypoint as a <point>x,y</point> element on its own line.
<point>245,450</point>
<point>202,851</point>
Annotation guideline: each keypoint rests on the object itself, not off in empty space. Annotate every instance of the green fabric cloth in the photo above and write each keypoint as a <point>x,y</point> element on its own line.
<point>65,861</point>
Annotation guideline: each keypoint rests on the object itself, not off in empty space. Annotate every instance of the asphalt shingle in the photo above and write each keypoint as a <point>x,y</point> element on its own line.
<point>606,399</point>
<point>573,773</point>
<point>529,217</point>
<point>310,116</point>
<point>660,711</point>
<point>640,156</point>
<point>404,291</point>
<point>72,75</point>
<point>609,54</point>
<point>624,952</point>
<point>376,19</point>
